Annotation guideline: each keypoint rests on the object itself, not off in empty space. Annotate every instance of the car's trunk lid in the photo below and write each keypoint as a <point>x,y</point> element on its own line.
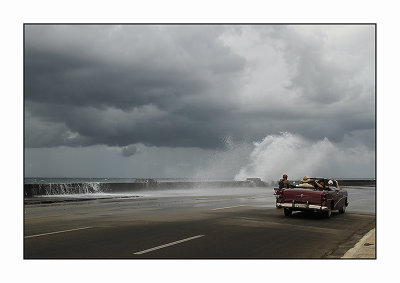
<point>302,196</point>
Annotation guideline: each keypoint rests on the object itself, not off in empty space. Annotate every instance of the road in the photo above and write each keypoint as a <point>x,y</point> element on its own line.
<point>194,225</point>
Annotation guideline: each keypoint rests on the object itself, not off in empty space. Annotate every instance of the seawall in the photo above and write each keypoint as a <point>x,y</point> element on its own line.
<point>359,182</point>
<point>31,190</point>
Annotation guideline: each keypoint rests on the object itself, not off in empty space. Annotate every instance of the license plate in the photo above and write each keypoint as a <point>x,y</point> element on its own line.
<point>300,205</point>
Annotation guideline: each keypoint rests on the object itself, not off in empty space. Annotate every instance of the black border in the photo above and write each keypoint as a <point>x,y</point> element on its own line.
<point>194,24</point>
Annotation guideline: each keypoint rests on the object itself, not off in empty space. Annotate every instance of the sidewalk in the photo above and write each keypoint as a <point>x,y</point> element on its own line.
<point>365,248</point>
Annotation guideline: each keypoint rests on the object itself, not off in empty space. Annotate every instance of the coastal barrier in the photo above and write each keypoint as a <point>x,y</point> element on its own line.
<point>357,182</point>
<point>31,190</point>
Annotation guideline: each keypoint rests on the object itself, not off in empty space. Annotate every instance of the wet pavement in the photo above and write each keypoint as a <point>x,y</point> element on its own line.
<point>202,223</point>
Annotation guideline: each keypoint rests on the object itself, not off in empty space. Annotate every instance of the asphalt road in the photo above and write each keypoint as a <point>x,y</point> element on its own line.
<point>199,225</point>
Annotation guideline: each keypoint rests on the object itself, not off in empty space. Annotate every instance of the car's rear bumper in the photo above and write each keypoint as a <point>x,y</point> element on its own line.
<point>301,206</point>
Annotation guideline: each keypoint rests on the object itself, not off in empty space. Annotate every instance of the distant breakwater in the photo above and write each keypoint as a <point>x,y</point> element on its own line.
<point>31,190</point>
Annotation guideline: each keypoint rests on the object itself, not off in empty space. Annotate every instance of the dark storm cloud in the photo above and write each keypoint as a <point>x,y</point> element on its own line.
<point>125,67</point>
<point>123,85</point>
<point>185,86</point>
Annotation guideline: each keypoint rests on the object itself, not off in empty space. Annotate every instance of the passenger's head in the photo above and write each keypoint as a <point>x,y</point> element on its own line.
<point>330,183</point>
<point>284,176</point>
<point>322,182</point>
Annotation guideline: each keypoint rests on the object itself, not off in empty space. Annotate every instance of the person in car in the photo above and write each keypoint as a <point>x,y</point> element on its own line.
<point>330,184</point>
<point>284,182</point>
<point>305,183</point>
<point>320,185</point>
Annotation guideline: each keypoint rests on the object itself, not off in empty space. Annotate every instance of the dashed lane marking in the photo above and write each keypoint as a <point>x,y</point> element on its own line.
<point>167,245</point>
<point>227,207</point>
<point>57,232</point>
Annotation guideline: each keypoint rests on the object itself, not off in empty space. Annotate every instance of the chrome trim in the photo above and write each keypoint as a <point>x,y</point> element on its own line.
<point>310,206</point>
<point>302,195</point>
<point>341,198</point>
<point>344,197</point>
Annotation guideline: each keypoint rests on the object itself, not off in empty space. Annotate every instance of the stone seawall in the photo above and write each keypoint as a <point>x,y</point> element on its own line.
<point>31,190</point>
<point>359,182</point>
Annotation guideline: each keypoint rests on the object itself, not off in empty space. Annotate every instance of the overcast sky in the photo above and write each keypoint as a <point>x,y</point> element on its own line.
<point>225,101</point>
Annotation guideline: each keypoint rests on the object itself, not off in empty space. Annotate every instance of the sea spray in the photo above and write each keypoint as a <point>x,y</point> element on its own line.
<point>72,188</point>
<point>285,153</point>
<point>297,156</point>
<point>225,164</point>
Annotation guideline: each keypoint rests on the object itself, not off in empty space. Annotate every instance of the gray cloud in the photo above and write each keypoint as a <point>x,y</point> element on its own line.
<point>129,150</point>
<point>320,71</point>
<point>122,85</point>
<point>191,86</point>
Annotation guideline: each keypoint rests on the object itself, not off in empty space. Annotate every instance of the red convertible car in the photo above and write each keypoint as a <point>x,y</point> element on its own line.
<point>306,196</point>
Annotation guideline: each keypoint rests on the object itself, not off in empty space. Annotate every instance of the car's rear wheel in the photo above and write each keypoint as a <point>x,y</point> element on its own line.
<point>343,209</point>
<point>287,212</point>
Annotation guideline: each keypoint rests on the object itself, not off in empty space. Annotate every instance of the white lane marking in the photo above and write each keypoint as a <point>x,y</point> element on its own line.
<point>227,207</point>
<point>167,245</point>
<point>44,234</point>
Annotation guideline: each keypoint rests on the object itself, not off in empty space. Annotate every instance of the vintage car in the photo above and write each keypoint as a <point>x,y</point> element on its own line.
<point>305,197</point>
